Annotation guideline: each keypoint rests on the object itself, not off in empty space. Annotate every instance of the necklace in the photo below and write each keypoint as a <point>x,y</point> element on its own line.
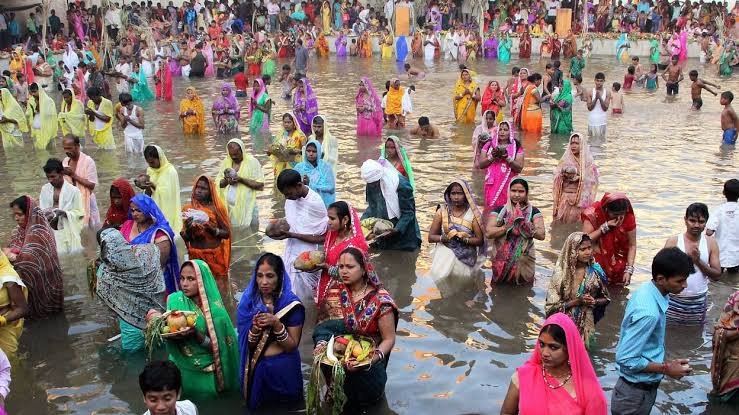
<point>561,382</point>
<point>364,293</point>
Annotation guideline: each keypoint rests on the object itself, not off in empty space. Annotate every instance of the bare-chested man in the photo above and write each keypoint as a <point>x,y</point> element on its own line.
<point>696,87</point>
<point>673,75</point>
<point>425,129</point>
<point>729,120</point>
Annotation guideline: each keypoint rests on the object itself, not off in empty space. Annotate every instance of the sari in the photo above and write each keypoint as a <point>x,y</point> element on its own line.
<point>193,124</point>
<point>210,370</point>
<point>504,50</point>
<point>654,51</point>
<point>514,258</point>
<point>369,111</point>
<point>403,165</point>
<point>210,69</point>
<point>140,91</point>
<point>340,45</point>
<point>465,108</point>
<point>322,49</point>
<point>130,283</point>
<point>241,200</point>
<point>259,119</point>
<point>102,132</point>
<point>333,249</point>
<point>725,363</point>
<point>571,197</point>
<point>329,142</point>
<point>622,49</point>
<point>167,192</point>
<point>611,249</point>
<point>386,49</point>
<point>326,17</point>
<point>536,398</point>
<point>226,111</point>
<point>267,380</point>
<point>569,46</point>
<point>305,106</point>
<point>163,82</point>
<point>72,117</point>
<point>116,215</point>
<point>401,49</point>
<point>562,289</point>
<point>291,141</point>
<point>524,46</point>
<point>481,129</point>
<point>560,110</point>
<point>12,134</point>
<point>490,100</point>
<point>160,227</point>
<point>340,314</point>
<point>217,252</point>
<point>531,114</point>
<point>417,45</point>
<point>454,258</point>
<point>499,174</point>
<point>37,263</point>
<point>320,175</point>
<point>42,119</point>
<point>365,45</point>
<point>69,226</point>
<point>519,85</point>
<point>11,332</point>
<point>490,48</point>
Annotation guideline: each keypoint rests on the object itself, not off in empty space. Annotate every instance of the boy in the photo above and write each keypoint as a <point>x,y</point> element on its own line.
<point>577,92</point>
<point>286,79</point>
<point>598,101</point>
<point>413,72</point>
<point>161,384</point>
<point>353,50</point>
<point>617,99</point>
<point>729,120</point>
<point>695,89</point>
<point>638,70</point>
<point>673,75</point>
<point>641,347</point>
<point>425,129</point>
<point>724,224</point>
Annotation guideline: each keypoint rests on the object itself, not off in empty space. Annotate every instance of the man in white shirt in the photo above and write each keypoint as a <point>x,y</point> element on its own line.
<point>724,224</point>
<point>113,21</point>
<point>273,9</point>
<point>552,7</point>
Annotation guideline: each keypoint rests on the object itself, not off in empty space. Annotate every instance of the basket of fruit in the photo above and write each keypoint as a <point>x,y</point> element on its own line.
<point>371,227</point>
<point>341,349</point>
<point>172,323</point>
<point>309,260</point>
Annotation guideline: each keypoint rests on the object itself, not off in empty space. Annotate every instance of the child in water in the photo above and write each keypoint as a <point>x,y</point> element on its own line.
<point>629,78</point>
<point>729,120</point>
<point>652,79</point>
<point>617,99</point>
<point>697,86</point>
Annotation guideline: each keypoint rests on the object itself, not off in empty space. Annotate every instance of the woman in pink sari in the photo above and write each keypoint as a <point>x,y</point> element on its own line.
<point>558,378</point>
<point>80,86</point>
<point>369,110</point>
<point>503,158</point>
<point>79,29</point>
<point>210,69</point>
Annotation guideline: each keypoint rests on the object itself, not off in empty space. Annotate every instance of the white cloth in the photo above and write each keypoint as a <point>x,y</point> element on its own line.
<point>67,234</point>
<point>429,49</point>
<point>389,8</point>
<point>598,117</point>
<point>307,216</point>
<point>725,222</point>
<point>122,84</point>
<point>133,136</point>
<point>183,408</point>
<point>697,283</point>
<point>406,103</point>
<point>373,171</point>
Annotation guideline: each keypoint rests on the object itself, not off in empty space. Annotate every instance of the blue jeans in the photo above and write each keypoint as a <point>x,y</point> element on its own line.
<point>272,23</point>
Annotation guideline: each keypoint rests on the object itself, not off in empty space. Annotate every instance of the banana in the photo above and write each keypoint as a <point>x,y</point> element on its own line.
<point>330,351</point>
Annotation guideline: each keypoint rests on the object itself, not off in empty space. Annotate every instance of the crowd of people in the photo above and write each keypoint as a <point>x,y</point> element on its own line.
<point>139,275</point>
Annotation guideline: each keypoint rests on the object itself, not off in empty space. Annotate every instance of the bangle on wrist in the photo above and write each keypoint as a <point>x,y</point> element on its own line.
<point>665,366</point>
<point>604,228</point>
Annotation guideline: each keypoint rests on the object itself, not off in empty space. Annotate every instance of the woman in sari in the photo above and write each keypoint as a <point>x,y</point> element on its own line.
<point>490,48</point>
<point>503,157</point>
<point>482,134</point>
<point>260,108</point>
<point>270,320</point>
<point>357,304</point>
<point>517,89</point>
<point>575,181</point>
<point>140,91</point>
<point>504,49</point>
<point>725,363</point>
<point>578,286</point>
<point>417,45</point>
<point>394,152</point>
<point>560,110</point>
<point>611,225</point>
<point>493,100</point>
<point>569,46</point>
<point>42,117</point>
<point>163,81</point>
<point>466,97</point>
<point>369,110</point>
<point>317,174</point>
<point>192,113</point>
<point>147,225</point>
<point>207,355</point>
<point>225,111</point>
<point>121,193</point>
<point>72,119</point>
<point>13,306</point>
<point>163,185</point>
<point>337,15</point>
<point>457,232</point>
<point>365,45</point>
<point>32,251</point>
<point>524,46</point>
<point>514,227</point>
<point>556,45</point>
<point>326,17</point>
<point>558,378</point>
<point>622,49</point>
<point>129,281</point>
<point>322,49</point>
<point>239,190</point>
<point>387,45</point>
<point>305,105</point>
<point>531,116</point>
<point>210,69</point>
<point>291,143</point>
<point>340,45</point>
<point>13,122</point>
<point>209,241</point>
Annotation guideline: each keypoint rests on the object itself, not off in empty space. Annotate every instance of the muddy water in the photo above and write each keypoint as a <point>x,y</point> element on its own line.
<point>458,345</point>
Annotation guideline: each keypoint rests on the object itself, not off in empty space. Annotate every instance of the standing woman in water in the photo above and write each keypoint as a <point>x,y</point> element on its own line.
<point>192,113</point>
<point>575,181</point>
<point>260,108</point>
<point>369,110</point>
<point>503,157</point>
<point>394,152</point>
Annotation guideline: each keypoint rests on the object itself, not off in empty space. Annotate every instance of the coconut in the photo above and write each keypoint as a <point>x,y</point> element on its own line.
<point>176,319</point>
<point>277,227</point>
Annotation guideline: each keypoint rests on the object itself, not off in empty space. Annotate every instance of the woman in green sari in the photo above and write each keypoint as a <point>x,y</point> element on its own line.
<point>260,108</point>
<point>560,111</point>
<point>394,152</point>
<point>140,92</point>
<point>727,57</point>
<point>208,356</point>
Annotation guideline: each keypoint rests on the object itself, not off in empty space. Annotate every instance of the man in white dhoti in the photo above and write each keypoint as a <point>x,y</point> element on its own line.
<point>62,204</point>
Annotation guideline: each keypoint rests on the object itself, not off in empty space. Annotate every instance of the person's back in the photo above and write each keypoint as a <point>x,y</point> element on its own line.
<point>724,225</point>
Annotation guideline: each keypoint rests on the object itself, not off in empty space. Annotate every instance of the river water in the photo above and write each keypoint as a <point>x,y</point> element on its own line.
<point>457,345</point>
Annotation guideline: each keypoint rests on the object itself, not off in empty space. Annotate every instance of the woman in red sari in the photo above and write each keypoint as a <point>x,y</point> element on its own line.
<point>121,193</point>
<point>556,46</point>
<point>493,99</point>
<point>344,231</point>
<point>611,225</point>
<point>164,82</point>
<point>524,45</point>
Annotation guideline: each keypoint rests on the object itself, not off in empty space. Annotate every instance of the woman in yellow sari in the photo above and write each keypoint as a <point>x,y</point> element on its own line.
<point>163,185</point>
<point>531,118</point>
<point>13,122</point>
<point>326,17</point>
<point>287,151</point>
<point>72,115</point>
<point>466,97</point>
<point>17,63</point>
<point>41,114</point>
<point>13,306</point>
<point>322,49</point>
<point>365,45</point>
<point>387,45</point>
<point>192,113</point>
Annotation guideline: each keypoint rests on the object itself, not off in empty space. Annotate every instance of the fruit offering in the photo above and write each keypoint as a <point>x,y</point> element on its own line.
<point>372,227</point>
<point>307,261</point>
<point>277,227</point>
<point>342,348</point>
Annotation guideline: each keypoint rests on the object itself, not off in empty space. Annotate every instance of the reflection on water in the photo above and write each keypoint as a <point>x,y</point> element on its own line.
<point>458,344</point>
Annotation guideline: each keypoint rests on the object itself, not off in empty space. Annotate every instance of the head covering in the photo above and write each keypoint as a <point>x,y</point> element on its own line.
<point>372,172</point>
<point>72,117</point>
<point>12,110</point>
<point>129,279</point>
<point>227,102</point>
<point>371,101</point>
<point>221,215</point>
<point>196,105</point>
<point>565,95</point>
<point>329,143</point>
<point>586,169</point>
<point>117,215</point>
<point>534,392</point>
<point>488,95</point>
<point>403,156</point>
<point>306,105</point>
<point>48,119</point>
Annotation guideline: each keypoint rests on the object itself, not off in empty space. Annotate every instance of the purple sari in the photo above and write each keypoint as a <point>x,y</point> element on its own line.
<point>174,67</point>
<point>305,106</point>
<point>491,48</point>
<point>340,44</point>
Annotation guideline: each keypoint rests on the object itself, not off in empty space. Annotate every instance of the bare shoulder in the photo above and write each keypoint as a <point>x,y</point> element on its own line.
<point>671,241</point>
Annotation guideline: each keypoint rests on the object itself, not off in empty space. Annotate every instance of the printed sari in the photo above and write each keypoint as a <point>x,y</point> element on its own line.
<point>116,215</point>
<point>369,111</point>
<point>725,363</point>
<point>259,120</point>
<point>572,196</point>
<point>305,106</point>
<point>163,82</point>
<point>465,108</point>
<point>226,111</point>
<point>560,110</point>
<point>294,140</point>
<point>195,123</point>
<point>333,248</point>
<point>491,100</point>
<point>10,333</point>
<point>499,174</point>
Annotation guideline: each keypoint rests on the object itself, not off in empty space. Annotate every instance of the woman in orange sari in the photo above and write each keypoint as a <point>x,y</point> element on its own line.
<point>531,118</point>
<point>322,46</point>
<point>417,45</point>
<point>365,45</point>
<point>192,113</point>
<point>206,231</point>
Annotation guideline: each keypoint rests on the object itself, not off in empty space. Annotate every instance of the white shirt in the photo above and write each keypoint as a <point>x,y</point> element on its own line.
<point>725,222</point>
<point>183,408</point>
<point>552,7</point>
<point>273,9</point>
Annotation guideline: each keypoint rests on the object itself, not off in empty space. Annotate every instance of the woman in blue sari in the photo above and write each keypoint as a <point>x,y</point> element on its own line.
<point>401,49</point>
<point>337,15</point>
<point>270,321</point>
<point>140,92</point>
<point>622,48</point>
<point>317,173</point>
<point>504,49</point>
